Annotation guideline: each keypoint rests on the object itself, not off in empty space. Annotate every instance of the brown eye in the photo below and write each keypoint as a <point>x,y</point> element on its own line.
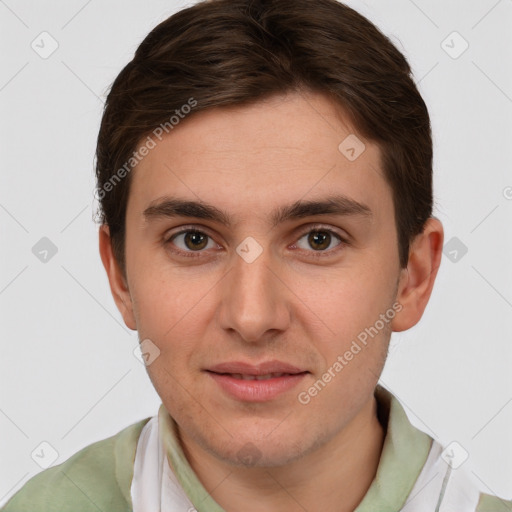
<point>319,240</point>
<point>195,240</point>
<point>191,241</point>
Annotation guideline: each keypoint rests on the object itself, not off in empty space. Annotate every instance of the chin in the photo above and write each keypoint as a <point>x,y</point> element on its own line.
<point>256,450</point>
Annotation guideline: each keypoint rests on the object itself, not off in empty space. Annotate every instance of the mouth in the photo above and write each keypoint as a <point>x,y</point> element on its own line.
<point>256,383</point>
<point>268,376</point>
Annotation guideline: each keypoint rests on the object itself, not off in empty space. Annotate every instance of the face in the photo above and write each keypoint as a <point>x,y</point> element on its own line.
<point>253,300</point>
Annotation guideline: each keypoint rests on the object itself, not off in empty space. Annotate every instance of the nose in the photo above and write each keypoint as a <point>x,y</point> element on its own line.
<point>255,299</point>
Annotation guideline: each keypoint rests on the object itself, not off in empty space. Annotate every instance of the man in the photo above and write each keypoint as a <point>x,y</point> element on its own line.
<point>265,181</point>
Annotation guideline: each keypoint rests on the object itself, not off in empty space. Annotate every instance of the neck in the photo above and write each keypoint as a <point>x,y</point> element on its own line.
<point>335,477</point>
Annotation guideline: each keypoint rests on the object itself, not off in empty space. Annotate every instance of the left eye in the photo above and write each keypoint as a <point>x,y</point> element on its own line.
<point>319,239</point>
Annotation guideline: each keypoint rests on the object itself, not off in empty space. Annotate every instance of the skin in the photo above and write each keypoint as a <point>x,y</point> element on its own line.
<point>285,305</point>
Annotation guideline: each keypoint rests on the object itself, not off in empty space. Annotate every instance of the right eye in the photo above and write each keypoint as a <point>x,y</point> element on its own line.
<point>189,241</point>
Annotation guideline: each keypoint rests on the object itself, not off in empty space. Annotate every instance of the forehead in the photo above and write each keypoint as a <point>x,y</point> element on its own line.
<point>250,159</point>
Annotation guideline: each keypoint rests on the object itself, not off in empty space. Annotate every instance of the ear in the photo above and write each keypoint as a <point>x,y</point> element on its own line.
<point>118,284</point>
<point>417,280</point>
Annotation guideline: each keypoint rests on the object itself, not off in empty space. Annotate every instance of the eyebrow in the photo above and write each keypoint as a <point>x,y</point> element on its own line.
<point>169,207</point>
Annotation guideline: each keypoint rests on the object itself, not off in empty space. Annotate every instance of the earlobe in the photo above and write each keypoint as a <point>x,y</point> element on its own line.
<point>417,280</point>
<point>118,284</point>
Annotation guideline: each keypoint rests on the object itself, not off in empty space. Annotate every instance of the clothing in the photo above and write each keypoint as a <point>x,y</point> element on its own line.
<point>130,472</point>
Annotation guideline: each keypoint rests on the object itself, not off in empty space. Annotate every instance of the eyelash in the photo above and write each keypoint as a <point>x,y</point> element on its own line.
<point>315,254</point>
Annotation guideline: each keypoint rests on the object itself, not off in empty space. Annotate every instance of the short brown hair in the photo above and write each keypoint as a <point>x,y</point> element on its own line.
<point>236,52</point>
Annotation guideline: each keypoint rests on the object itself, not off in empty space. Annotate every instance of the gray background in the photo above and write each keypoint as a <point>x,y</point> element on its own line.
<point>69,376</point>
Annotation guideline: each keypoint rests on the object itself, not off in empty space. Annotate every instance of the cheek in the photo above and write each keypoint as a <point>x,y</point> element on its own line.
<point>163,296</point>
<point>344,302</point>
<point>166,319</point>
<point>353,363</point>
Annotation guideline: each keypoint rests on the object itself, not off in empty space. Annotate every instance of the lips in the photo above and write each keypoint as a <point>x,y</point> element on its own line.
<point>262,369</point>
<point>267,376</point>
<point>256,383</point>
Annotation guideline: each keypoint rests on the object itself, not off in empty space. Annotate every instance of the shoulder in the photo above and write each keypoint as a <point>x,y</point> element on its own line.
<point>488,503</point>
<point>98,477</point>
